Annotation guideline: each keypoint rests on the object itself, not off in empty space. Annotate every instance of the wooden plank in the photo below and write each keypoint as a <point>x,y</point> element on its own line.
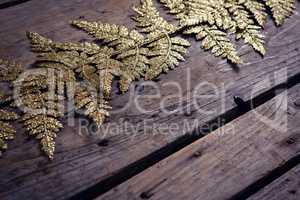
<point>81,162</point>
<point>285,187</point>
<point>226,161</point>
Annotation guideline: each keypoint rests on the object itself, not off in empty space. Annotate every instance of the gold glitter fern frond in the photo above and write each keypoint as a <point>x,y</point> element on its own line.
<point>245,27</point>
<point>281,9</point>
<point>245,18</point>
<point>93,105</point>
<point>9,72</point>
<point>125,45</point>
<point>43,107</point>
<point>215,40</point>
<point>7,131</point>
<point>89,61</point>
<point>165,52</point>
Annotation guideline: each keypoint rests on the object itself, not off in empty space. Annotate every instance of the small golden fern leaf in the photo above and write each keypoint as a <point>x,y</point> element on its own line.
<point>118,36</point>
<point>7,131</point>
<point>207,11</point>
<point>94,107</point>
<point>245,27</point>
<point>135,63</point>
<point>215,40</point>
<point>239,14</point>
<point>175,6</point>
<point>257,9</point>
<point>42,108</point>
<point>9,71</point>
<point>166,54</point>
<point>281,9</point>
<point>133,60</point>
<point>149,20</point>
<point>101,71</point>
<point>251,35</point>
<point>41,44</point>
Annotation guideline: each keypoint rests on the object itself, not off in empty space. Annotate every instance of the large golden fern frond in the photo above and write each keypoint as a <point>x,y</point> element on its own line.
<point>167,51</point>
<point>42,107</point>
<point>281,9</point>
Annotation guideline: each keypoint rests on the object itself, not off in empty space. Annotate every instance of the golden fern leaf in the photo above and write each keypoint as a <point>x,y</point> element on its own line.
<point>239,14</point>
<point>175,6</point>
<point>212,12</point>
<point>251,35</point>
<point>245,27</point>
<point>135,63</point>
<point>215,40</point>
<point>117,36</point>
<point>149,20</point>
<point>80,58</point>
<point>127,43</point>
<point>95,107</point>
<point>7,131</point>
<point>257,9</point>
<point>9,71</point>
<point>42,108</point>
<point>281,9</point>
<point>165,52</point>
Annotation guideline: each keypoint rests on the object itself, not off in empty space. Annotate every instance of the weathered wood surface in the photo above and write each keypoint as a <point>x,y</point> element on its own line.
<point>227,161</point>
<point>79,161</point>
<point>285,187</point>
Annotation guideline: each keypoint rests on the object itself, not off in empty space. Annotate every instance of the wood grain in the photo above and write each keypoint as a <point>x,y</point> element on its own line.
<point>285,187</point>
<point>80,161</point>
<point>226,161</point>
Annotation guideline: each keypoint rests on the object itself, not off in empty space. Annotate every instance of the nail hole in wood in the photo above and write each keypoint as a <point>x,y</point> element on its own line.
<point>103,143</point>
<point>290,141</point>
<point>146,195</point>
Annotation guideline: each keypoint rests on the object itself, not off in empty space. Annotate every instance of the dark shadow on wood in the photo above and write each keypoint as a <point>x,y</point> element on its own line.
<point>9,3</point>
<point>153,158</point>
<point>269,178</point>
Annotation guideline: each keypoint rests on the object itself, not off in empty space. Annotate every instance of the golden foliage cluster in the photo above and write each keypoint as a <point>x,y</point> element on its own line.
<point>154,47</point>
<point>212,21</point>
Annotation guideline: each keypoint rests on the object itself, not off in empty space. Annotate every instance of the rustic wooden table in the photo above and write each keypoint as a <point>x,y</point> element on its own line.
<point>253,160</point>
